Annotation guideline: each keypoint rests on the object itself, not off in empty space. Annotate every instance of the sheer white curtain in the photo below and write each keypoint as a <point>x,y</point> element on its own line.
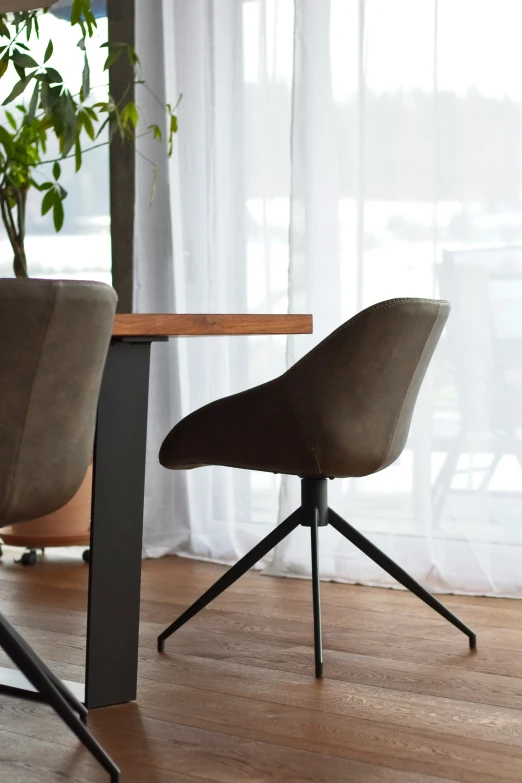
<point>332,154</point>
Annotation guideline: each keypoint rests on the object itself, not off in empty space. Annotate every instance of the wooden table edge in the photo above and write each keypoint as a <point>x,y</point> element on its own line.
<point>186,324</point>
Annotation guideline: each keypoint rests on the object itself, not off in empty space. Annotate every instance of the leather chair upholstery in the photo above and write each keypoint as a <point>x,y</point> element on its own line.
<point>54,337</point>
<point>343,410</point>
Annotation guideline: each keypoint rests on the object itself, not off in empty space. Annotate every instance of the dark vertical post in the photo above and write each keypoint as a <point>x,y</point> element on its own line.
<point>314,511</point>
<point>117,527</point>
<point>121,14</point>
<point>318,641</point>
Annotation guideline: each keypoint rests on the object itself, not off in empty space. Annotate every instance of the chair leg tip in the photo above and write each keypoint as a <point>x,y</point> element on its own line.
<point>319,671</point>
<point>161,645</point>
<point>473,642</point>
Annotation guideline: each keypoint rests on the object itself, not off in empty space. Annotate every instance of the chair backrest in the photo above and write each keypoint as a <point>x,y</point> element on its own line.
<point>356,390</point>
<point>54,337</point>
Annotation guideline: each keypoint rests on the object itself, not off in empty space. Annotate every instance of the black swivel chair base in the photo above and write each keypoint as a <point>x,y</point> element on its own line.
<point>52,689</point>
<point>314,513</point>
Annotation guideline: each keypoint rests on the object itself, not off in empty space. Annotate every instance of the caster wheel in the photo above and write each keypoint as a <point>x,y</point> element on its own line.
<point>86,556</point>
<point>29,558</point>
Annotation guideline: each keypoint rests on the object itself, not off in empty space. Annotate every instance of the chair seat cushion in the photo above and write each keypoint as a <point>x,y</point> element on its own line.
<point>258,429</point>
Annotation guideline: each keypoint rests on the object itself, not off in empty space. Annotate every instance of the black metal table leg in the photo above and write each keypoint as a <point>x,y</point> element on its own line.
<point>117,526</point>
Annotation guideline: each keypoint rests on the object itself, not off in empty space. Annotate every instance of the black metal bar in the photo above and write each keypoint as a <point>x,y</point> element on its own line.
<point>117,527</point>
<point>7,628</point>
<point>34,669</point>
<point>397,572</point>
<point>318,642</point>
<point>233,573</point>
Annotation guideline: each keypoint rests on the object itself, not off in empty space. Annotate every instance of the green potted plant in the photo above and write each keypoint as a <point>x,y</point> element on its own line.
<point>43,114</point>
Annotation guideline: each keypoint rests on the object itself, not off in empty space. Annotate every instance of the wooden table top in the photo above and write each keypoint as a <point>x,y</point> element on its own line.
<point>185,324</point>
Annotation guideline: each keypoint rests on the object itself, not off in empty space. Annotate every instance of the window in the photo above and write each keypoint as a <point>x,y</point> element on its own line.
<point>82,250</point>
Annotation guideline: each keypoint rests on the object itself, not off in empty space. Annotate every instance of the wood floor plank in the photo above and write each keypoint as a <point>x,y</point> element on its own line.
<point>393,747</point>
<point>333,594</point>
<point>451,653</point>
<point>297,638</point>
<point>466,719</point>
<point>232,758</point>
<point>233,697</point>
<point>167,746</point>
<point>376,670</point>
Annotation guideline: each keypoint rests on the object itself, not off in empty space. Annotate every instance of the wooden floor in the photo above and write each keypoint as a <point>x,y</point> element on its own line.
<point>233,697</point>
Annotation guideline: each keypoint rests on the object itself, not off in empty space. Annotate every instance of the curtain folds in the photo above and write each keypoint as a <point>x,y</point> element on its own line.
<point>330,155</point>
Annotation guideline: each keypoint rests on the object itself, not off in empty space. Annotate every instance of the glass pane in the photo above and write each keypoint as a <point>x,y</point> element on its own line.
<point>82,250</point>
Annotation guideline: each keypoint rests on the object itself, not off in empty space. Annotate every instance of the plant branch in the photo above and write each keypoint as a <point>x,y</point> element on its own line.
<point>6,217</point>
<point>152,163</point>
<point>90,149</point>
<point>156,98</point>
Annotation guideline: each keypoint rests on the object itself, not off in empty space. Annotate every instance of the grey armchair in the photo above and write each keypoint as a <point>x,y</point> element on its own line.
<point>343,410</point>
<point>54,337</point>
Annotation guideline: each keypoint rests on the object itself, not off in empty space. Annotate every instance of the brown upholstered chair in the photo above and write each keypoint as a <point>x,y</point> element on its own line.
<point>343,410</point>
<point>54,337</point>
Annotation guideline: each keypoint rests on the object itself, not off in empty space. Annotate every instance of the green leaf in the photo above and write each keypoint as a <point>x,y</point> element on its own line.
<point>58,214</point>
<point>86,79</point>
<point>81,44</point>
<point>23,60</point>
<point>52,76</point>
<point>85,120</point>
<point>4,29</point>
<point>48,51</point>
<point>47,186</point>
<point>129,114</point>
<point>4,64</point>
<point>173,124</point>
<point>156,131</point>
<point>78,155</point>
<point>34,103</point>
<point>113,45</point>
<point>57,170</point>
<point>11,120</point>
<point>114,54</point>
<point>50,95</point>
<point>6,140</point>
<point>132,56</point>
<point>76,12</point>
<point>102,127</point>
<point>66,110</point>
<point>48,200</point>
<point>17,90</point>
